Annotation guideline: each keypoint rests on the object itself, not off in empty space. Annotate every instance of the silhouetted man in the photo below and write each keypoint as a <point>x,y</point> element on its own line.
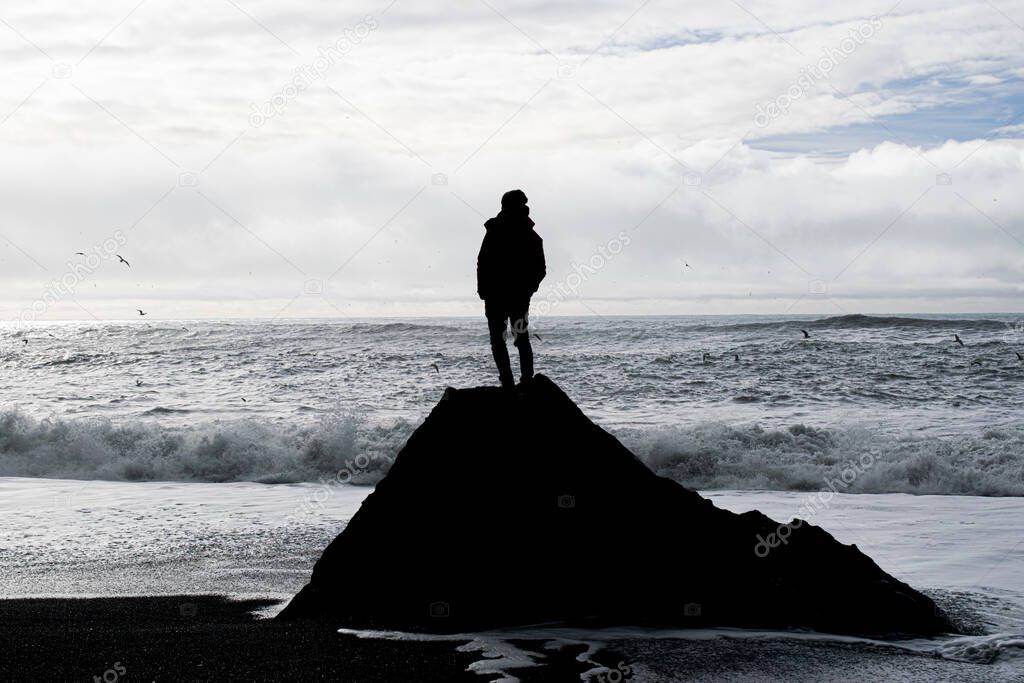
<point>509,270</point>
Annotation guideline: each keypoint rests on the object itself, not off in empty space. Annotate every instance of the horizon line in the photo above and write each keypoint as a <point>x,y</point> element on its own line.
<point>822,315</point>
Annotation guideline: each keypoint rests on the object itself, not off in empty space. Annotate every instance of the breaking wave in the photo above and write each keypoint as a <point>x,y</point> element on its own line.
<point>709,456</point>
<point>343,448</point>
<point>850,460</point>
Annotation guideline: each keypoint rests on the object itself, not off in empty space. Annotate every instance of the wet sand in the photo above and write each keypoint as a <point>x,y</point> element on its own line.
<point>212,638</point>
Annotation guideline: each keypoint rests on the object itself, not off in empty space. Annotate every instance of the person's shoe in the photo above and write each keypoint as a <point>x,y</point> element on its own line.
<point>524,386</point>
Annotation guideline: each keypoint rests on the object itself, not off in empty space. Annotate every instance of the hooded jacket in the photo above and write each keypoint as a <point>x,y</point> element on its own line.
<point>510,265</point>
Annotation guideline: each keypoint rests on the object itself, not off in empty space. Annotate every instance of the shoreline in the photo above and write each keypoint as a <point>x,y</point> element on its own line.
<point>171,543</point>
<point>215,638</point>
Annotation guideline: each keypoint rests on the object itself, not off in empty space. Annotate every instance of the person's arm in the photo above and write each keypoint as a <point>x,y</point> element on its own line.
<point>539,265</point>
<point>483,267</point>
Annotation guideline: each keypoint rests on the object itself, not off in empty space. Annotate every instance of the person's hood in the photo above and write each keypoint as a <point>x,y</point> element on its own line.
<point>511,220</point>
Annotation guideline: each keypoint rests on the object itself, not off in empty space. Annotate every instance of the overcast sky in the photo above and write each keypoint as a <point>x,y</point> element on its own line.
<point>263,158</point>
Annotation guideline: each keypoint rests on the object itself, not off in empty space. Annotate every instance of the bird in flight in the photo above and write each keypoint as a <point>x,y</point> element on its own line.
<point>436,369</point>
<point>958,340</point>
<point>79,253</point>
<point>138,382</point>
<point>121,259</point>
<point>806,336</point>
<point>243,399</point>
<point>141,312</point>
<point>1019,357</point>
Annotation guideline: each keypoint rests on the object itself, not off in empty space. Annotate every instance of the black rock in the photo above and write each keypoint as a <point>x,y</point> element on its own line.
<point>514,508</point>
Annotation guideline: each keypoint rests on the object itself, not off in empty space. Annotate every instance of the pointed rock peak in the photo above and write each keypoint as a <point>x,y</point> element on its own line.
<point>512,507</point>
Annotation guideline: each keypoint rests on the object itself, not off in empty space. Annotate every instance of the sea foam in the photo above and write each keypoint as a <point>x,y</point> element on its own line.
<point>351,449</point>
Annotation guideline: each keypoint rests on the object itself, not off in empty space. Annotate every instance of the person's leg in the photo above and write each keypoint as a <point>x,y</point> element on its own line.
<point>496,316</point>
<point>520,317</point>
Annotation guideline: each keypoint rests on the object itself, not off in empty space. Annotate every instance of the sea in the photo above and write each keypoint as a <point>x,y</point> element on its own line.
<point>742,402</point>
<point>221,456</point>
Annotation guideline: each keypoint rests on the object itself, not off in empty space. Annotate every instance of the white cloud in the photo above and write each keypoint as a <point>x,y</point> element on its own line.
<point>984,79</point>
<point>439,89</point>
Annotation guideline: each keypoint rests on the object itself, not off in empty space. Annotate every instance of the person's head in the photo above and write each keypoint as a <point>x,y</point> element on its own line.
<point>513,200</point>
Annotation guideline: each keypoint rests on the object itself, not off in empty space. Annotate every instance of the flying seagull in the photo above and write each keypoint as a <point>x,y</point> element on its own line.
<point>806,336</point>
<point>1019,357</point>
<point>537,337</point>
<point>436,369</point>
<point>141,312</point>
<point>79,253</point>
<point>958,340</point>
<point>121,259</point>
<point>243,399</point>
<point>138,382</point>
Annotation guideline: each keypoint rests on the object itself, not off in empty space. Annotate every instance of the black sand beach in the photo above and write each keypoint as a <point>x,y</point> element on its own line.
<point>210,638</point>
<point>198,638</point>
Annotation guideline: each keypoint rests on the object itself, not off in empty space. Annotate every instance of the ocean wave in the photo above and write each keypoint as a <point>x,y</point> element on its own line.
<point>348,448</point>
<point>859,321</point>
<point>847,460</point>
<point>391,328</point>
<point>74,359</point>
<point>1004,650</point>
<point>869,321</point>
<point>338,448</point>
<point>162,410</point>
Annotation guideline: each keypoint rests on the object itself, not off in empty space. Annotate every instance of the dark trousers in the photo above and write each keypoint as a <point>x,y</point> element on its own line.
<point>500,312</point>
